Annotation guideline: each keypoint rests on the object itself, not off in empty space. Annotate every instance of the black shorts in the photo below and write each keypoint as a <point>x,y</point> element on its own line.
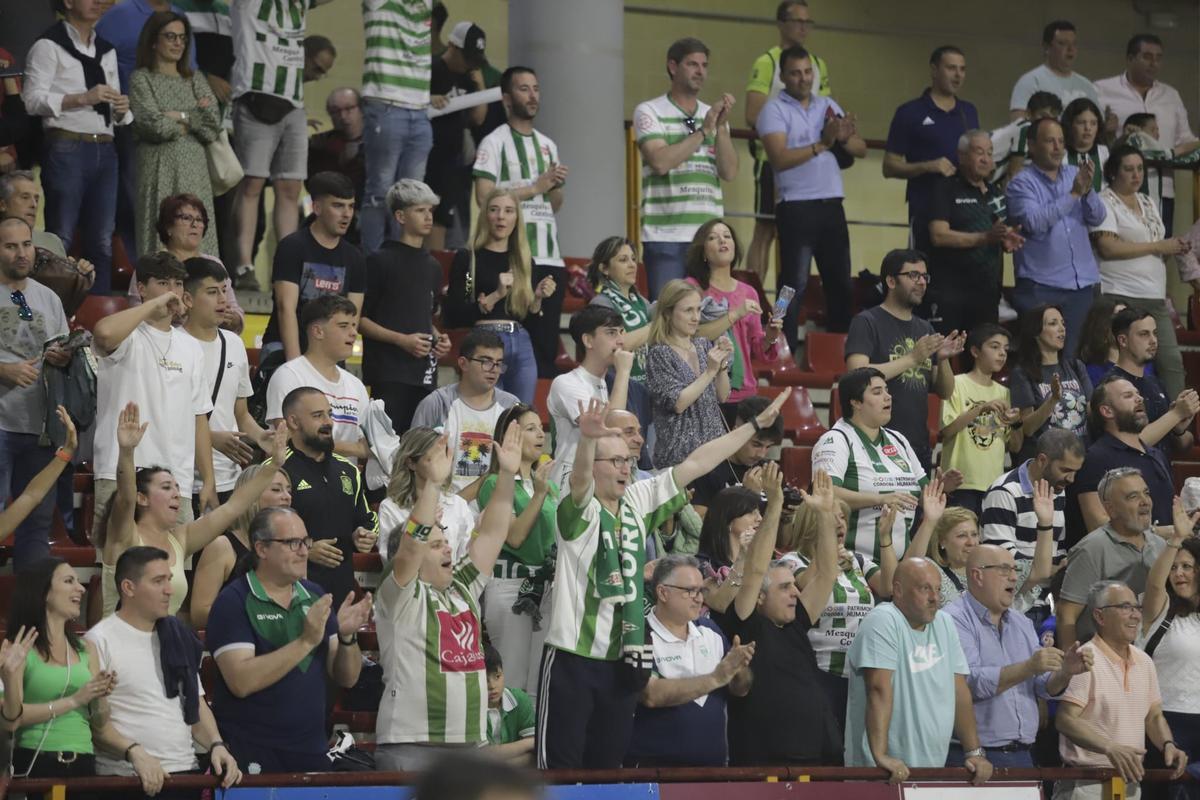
<point>764,188</point>
<point>451,181</point>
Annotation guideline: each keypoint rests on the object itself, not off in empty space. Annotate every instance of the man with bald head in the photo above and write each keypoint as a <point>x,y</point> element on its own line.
<point>1107,713</point>
<point>1009,670</point>
<point>908,683</point>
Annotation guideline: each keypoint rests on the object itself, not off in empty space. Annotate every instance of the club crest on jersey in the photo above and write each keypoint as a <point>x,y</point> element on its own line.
<point>458,642</point>
<point>893,452</point>
<point>347,485</point>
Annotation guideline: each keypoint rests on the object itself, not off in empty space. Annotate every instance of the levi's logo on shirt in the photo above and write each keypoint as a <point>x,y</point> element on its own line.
<point>458,642</point>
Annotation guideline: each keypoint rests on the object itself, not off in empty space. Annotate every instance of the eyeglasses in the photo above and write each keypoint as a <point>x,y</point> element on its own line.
<point>621,461</point>
<point>173,37</point>
<point>23,309</point>
<point>189,219</point>
<point>1124,608</point>
<point>489,364</point>
<point>1004,569</point>
<point>694,592</point>
<point>915,276</point>
<point>293,544</point>
<point>690,124</point>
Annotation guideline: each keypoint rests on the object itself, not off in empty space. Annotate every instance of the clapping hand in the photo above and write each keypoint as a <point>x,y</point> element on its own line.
<point>545,287</point>
<point>314,621</point>
<point>541,476</point>
<point>1084,178</point>
<point>1077,661</point>
<point>737,659</point>
<point>13,655</point>
<point>951,479</point>
<point>925,347</point>
<point>352,616</point>
<point>719,353</point>
<point>952,345</point>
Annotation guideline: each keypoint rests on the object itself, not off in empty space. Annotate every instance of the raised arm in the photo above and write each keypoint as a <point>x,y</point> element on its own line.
<point>43,482</point>
<point>1155,599</point>
<point>119,532</point>
<point>591,429</point>
<point>217,562</point>
<point>762,547</point>
<point>705,458</point>
<point>933,505</point>
<point>493,523</point>
<point>816,593</point>
<point>1177,419</point>
<point>110,331</point>
<point>411,550</point>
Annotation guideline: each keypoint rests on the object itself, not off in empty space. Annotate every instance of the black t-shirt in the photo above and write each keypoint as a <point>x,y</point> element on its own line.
<point>967,210</point>
<point>317,270</point>
<point>462,302</point>
<point>1109,452</point>
<point>402,289</point>
<point>882,337</point>
<point>448,129</point>
<point>785,719</point>
<point>706,487</point>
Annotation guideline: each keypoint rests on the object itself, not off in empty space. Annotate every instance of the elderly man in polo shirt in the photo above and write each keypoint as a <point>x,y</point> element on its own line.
<point>680,720</point>
<point>1108,712</point>
<point>801,132</point>
<point>923,137</point>
<point>1123,548</point>
<point>1054,205</point>
<point>1009,671</point>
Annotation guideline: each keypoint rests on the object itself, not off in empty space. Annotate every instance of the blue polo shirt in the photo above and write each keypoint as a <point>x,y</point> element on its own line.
<point>921,131</point>
<point>818,178</point>
<point>289,714</point>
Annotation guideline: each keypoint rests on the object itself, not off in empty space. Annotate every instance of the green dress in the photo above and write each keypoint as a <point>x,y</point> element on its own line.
<point>170,158</point>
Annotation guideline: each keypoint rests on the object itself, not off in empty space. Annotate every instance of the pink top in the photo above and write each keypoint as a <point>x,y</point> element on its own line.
<point>747,333</point>
<point>1116,697</point>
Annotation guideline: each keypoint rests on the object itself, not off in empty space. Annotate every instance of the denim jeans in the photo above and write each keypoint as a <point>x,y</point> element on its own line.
<point>396,142</point>
<point>21,458</point>
<point>521,376</point>
<point>808,230</point>
<point>664,263</point>
<point>77,176</point>
<point>1075,304</point>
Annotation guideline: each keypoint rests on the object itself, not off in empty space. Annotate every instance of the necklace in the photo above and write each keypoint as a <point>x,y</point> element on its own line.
<point>162,354</point>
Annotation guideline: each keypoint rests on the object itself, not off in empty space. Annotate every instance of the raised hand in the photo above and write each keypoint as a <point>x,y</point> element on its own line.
<point>129,431</point>
<point>440,461</point>
<point>767,417</point>
<point>772,481</point>
<point>1043,503</point>
<point>887,521</point>
<point>314,621</point>
<point>752,479</point>
<point>933,499</point>
<point>591,420</point>
<point>14,654</point>
<point>353,616</point>
<point>822,498</point>
<point>72,441</point>
<point>279,444</point>
<point>508,454</point>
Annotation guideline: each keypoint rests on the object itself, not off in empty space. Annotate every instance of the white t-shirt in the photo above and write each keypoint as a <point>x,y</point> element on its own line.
<point>566,393</point>
<point>1177,661</point>
<point>235,385</point>
<point>163,372</point>
<point>348,400</point>
<point>140,707</point>
<point>456,517</point>
<point>470,433</point>
<point>1043,79</point>
<point>1145,276</point>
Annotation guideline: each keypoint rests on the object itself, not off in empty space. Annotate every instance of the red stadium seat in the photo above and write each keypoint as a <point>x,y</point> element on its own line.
<point>813,305</point>
<point>96,307</point>
<point>541,394</point>
<point>573,303</point>
<point>800,422</point>
<point>824,362</point>
<point>797,466</point>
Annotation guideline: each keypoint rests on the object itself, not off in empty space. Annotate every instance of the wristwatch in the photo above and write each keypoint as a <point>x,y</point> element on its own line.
<point>978,752</point>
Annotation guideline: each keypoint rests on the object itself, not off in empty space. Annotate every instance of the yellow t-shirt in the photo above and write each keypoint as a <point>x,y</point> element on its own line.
<point>978,450</point>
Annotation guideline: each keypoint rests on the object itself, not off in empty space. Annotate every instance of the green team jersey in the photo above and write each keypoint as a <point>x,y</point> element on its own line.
<point>396,54</point>
<point>268,46</point>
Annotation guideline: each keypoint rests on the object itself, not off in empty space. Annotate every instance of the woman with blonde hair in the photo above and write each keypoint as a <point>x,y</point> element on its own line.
<point>687,376</point>
<point>221,560</point>
<point>410,468</point>
<point>946,536</point>
<point>491,286</point>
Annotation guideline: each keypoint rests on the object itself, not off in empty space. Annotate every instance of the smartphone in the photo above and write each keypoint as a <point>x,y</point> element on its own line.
<point>782,301</point>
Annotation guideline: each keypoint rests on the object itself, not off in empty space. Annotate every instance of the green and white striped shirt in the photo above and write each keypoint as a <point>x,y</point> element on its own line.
<point>513,160</point>
<point>268,45</point>
<point>675,205</point>
<point>435,685</point>
<point>396,55</point>
<point>850,601</point>
<point>580,623</point>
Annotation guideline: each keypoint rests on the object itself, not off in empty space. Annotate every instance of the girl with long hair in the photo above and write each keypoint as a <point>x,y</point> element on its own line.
<point>1081,124</point>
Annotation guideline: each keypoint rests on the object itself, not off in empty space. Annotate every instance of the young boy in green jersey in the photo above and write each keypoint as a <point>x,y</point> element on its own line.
<point>978,420</point>
<point>511,718</point>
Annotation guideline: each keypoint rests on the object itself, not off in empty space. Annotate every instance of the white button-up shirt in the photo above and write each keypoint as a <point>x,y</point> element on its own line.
<point>51,73</point>
<point>1163,101</point>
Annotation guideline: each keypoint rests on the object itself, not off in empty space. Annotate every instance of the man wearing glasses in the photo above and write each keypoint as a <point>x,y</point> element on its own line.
<point>30,316</point>
<point>1010,672</point>
<point>275,636</point>
<point>686,153</point>
<point>1107,713</point>
<point>467,411</point>
<point>913,358</point>
<point>340,149</point>
<point>680,718</point>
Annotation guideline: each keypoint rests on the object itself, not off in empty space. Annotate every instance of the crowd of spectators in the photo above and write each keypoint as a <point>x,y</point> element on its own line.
<point>606,568</point>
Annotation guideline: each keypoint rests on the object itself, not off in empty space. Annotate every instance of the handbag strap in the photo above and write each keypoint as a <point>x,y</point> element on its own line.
<point>220,373</point>
<point>1159,633</point>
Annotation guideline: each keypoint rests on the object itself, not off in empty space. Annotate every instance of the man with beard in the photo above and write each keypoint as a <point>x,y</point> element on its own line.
<point>34,317</point>
<point>908,683</point>
<point>314,261</point>
<point>327,492</point>
<point>913,358</point>
<point>1054,205</point>
<point>1123,436</point>
<point>524,160</point>
<point>1135,333</point>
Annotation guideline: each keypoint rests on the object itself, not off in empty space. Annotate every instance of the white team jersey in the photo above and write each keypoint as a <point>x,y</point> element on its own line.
<point>268,45</point>
<point>396,58</point>
<point>435,684</point>
<point>566,393</point>
<point>886,465</point>
<point>512,160</point>
<point>580,622</point>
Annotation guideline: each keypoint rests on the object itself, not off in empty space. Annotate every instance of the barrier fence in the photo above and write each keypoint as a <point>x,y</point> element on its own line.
<point>754,783</point>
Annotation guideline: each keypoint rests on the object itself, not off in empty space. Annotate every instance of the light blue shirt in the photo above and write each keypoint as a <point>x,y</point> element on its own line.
<point>1011,716</point>
<point>818,178</point>
<point>923,666</point>
<point>1057,251</point>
